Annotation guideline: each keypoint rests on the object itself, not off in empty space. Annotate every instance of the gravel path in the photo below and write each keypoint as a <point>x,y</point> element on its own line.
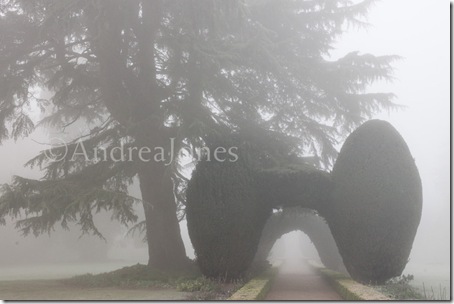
<point>297,280</point>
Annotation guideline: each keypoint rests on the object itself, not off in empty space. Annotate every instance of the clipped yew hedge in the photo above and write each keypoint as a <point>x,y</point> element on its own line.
<point>296,186</point>
<point>372,202</point>
<point>225,218</point>
<point>376,202</point>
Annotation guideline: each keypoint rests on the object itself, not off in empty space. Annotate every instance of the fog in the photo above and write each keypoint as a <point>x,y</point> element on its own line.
<point>418,31</point>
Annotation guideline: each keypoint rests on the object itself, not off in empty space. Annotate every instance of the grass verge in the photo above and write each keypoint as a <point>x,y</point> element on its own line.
<point>256,288</point>
<point>349,289</point>
<point>143,277</point>
<point>136,276</point>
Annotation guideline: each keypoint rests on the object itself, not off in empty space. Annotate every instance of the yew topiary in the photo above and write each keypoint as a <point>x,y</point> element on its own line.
<point>225,217</point>
<point>376,202</point>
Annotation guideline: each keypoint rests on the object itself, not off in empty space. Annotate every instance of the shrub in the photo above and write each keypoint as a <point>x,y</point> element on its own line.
<point>376,203</point>
<point>225,218</point>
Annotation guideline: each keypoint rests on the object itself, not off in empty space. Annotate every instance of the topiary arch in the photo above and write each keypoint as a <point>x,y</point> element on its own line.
<point>306,221</point>
<point>372,202</point>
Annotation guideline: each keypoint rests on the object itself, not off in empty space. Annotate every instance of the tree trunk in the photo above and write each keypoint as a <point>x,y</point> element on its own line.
<point>140,114</point>
<point>165,246</point>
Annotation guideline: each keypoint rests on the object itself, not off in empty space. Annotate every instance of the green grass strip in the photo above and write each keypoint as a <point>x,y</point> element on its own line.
<point>349,289</point>
<point>257,288</point>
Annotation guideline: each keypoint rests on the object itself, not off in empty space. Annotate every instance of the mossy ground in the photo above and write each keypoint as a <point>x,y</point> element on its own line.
<point>142,276</point>
<point>132,276</point>
<point>208,289</point>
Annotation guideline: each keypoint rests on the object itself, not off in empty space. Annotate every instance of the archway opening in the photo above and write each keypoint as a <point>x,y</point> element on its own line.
<point>293,246</point>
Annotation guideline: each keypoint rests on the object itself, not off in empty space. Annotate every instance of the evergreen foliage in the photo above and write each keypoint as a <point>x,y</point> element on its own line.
<point>376,203</point>
<point>229,203</point>
<point>372,203</point>
<point>225,217</point>
<point>292,186</point>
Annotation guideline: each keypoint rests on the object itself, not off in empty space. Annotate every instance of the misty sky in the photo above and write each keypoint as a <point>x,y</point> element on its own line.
<point>418,31</point>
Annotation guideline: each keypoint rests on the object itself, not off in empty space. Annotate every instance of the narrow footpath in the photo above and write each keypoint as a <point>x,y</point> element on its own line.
<point>297,280</point>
